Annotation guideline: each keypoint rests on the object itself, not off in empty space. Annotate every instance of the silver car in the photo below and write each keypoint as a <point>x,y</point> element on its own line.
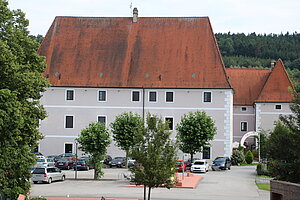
<point>44,162</point>
<point>47,174</point>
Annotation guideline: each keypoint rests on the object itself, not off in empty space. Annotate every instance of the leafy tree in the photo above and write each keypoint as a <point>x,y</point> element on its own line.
<point>284,162</point>
<point>124,130</point>
<point>195,130</point>
<point>249,157</point>
<point>155,155</point>
<point>94,140</point>
<point>237,157</point>
<point>39,38</point>
<point>21,82</point>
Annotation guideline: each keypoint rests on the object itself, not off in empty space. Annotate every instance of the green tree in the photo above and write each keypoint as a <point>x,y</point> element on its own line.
<point>155,155</point>
<point>237,157</point>
<point>94,140</point>
<point>21,82</point>
<point>124,130</point>
<point>195,130</point>
<point>249,157</point>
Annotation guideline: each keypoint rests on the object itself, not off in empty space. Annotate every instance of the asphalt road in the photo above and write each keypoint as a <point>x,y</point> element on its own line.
<point>235,184</point>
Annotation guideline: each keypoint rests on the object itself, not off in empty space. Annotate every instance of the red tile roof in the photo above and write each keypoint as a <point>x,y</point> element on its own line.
<point>278,87</point>
<point>260,85</point>
<point>247,84</point>
<point>114,52</point>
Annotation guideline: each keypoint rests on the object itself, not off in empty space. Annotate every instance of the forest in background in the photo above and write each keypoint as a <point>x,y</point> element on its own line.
<point>253,50</point>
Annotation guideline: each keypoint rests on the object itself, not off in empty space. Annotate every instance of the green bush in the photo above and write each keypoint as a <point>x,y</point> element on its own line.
<point>249,157</point>
<point>237,157</point>
<point>262,169</point>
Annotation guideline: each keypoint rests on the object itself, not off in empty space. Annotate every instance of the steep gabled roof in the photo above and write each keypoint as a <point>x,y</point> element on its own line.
<point>115,52</point>
<point>278,87</point>
<point>247,84</point>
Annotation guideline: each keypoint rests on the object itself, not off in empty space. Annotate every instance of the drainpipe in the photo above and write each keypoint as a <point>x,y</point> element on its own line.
<point>143,103</point>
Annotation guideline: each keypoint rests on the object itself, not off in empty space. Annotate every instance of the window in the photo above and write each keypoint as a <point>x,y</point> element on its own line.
<point>207,97</point>
<point>102,95</point>
<point>152,96</point>
<point>244,126</point>
<point>278,107</point>
<point>68,148</point>
<point>206,153</point>
<point>135,96</point>
<point>69,122</point>
<point>170,121</point>
<point>70,95</point>
<point>102,119</point>
<point>169,96</point>
<point>243,109</point>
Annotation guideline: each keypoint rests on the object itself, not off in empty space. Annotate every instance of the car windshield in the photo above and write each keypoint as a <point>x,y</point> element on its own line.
<point>220,159</point>
<point>64,160</point>
<point>80,161</point>
<point>179,163</point>
<point>41,160</point>
<point>199,163</point>
<point>39,171</point>
<point>118,158</point>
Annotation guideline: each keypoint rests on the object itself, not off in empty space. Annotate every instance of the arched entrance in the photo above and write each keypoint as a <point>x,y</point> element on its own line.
<point>249,134</point>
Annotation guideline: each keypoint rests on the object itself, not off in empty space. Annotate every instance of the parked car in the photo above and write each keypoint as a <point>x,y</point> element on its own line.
<point>107,159</point>
<point>68,155</point>
<point>53,157</point>
<point>130,162</point>
<point>189,162</point>
<point>81,164</point>
<point>117,162</point>
<point>221,163</point>
<point>199,166</point>
<point>44,162</point>
<point>180,166</point>
<point>64,163</point>
<point>39,155</point>
<point>47,174</point>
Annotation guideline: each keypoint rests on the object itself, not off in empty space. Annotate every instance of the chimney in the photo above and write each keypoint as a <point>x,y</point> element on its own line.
<point>135,15</point>
<point>273,62</point>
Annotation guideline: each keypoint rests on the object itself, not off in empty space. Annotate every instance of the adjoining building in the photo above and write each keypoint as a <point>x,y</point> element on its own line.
<point>100,67</point>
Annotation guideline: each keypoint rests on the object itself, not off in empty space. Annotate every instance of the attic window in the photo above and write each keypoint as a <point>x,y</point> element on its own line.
<point>193,75</point>
<point>56,73</point>
<point>101,74</point>
<point>243,109</point>
<point>147,75</point>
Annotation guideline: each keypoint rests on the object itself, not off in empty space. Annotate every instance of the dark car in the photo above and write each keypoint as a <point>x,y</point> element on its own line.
<point>107,159</point>
<point>221,163</point>
<point>117,162</point>
<point>81,164</point>
<point>64,163</point>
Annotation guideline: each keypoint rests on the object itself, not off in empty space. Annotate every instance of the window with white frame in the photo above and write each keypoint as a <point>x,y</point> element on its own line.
<point>244,126</point>
<point>70,95</point>
<point>278,107</point>
<point>135,96</point>
<point>169,96</point>
<point>206,153</point>
<point>243,109</point>
<point>68,147</point>
<point>170,122</point>
<point>69,122</point>
<point>102,119</point>
<point>206,97</point>
<point>102,95</point>
<point>152,96</point>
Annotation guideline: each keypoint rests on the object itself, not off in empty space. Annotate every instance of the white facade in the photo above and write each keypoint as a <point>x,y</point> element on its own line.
<point>86,107</point>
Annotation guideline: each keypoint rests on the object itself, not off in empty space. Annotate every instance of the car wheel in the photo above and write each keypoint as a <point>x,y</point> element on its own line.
<point>228,168</point>
<point>63,178</point>
<point>87,169</point>
<point>49,180</point>
<point>35,182</point>
<point>68,167</point>
<point>213,169</point>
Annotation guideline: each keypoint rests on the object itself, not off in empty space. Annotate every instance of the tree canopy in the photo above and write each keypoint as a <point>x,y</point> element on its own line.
<point>194,132</point>
<point>94,140</point>
<point>155,155</point>
<point>124,130</point>
<point>21,84</point>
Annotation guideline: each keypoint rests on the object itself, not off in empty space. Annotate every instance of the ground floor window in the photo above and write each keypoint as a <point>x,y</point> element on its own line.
<point>68,148</point>
<point>206,153</point>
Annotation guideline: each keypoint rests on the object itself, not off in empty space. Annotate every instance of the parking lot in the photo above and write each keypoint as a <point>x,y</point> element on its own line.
<point>235,184</point>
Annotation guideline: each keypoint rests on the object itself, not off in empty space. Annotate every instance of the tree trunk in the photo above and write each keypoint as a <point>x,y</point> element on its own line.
<point>149,192</point>
<point>95,170</point>
<point>145,192</point>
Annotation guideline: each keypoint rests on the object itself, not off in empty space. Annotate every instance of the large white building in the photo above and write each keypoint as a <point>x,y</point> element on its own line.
<point>102,67</point>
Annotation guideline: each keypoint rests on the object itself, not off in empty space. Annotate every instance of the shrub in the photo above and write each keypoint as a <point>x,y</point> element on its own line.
<point>262,169</point>
<point>249,157</point>
<point>237,157</point>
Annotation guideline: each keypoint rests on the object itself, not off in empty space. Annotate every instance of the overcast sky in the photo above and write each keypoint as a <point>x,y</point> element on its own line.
<point>236,16</point>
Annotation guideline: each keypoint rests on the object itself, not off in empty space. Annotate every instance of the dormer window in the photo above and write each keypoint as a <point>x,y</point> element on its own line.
<point>278,107</point>
<point>243,109</point>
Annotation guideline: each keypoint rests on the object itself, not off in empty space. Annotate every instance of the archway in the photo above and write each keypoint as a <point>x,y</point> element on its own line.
<point>249,134</point>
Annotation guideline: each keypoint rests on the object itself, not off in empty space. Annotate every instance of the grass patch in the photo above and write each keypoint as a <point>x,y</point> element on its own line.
<point>263,186</point>
<point>252,164</point>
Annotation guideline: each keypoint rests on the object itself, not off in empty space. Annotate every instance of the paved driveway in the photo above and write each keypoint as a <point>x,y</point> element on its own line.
<point>235,184</point>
